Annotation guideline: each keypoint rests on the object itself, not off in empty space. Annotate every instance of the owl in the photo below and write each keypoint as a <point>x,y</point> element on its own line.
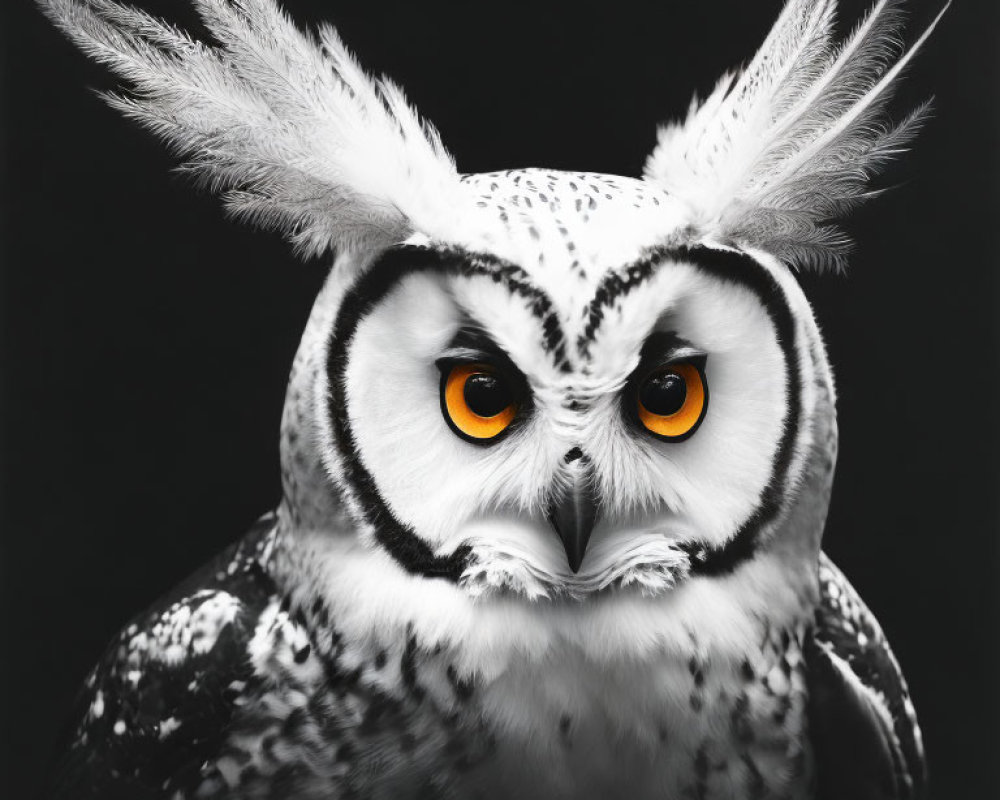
<point>557,449</point>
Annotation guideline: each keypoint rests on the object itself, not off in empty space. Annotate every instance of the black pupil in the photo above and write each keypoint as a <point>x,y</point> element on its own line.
<point>486,395</point>
<point>663,393</point>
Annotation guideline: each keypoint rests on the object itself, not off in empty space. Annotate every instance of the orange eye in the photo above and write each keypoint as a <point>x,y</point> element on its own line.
<point>478,402</point>
<point>672,400</point>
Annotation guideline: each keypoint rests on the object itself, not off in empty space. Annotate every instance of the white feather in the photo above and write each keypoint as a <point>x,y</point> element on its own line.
<point>772,156</point>
<point>287,125</point>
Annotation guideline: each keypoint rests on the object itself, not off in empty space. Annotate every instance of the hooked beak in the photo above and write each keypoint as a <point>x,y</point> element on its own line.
<point>573,513</point>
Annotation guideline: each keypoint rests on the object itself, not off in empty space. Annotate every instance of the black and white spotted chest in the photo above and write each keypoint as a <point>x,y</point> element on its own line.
<point>237,686</point>
<point>393,718</point>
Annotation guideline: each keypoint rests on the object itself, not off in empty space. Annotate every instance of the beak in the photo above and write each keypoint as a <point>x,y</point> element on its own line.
<point>573,513</point>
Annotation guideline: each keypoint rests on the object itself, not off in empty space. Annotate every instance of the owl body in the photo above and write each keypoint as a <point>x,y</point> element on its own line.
<point>255,695</point>
<point>557,452</point>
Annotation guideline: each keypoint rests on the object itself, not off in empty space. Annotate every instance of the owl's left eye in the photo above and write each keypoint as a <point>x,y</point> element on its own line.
<point>479,402</point>
<point>671,401</point>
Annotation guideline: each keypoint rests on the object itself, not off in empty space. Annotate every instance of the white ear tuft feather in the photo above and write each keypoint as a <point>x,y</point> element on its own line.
<point>774,154</point>
<point>286,125</point>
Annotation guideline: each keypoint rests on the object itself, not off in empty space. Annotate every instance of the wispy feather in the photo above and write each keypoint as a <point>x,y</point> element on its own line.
<point>283,123</point>
<point>776,153</point>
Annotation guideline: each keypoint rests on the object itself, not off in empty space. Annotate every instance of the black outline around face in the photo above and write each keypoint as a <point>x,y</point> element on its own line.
<point>399,540</point>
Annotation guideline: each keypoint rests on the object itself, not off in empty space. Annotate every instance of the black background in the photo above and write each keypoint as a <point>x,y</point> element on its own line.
<point>146,339</point>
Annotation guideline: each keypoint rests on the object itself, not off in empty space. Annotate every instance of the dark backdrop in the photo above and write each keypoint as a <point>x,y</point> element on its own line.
<point>146,339</point>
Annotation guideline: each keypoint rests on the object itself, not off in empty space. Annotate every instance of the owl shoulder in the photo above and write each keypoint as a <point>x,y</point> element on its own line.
<point>863,726</point>
<point>157,706</point>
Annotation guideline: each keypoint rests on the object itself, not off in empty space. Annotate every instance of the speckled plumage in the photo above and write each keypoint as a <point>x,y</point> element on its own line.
<point>412,620</point>
<point>232,690</point>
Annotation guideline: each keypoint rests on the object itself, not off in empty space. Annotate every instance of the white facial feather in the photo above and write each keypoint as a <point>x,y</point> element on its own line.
<point>714,478</point>
<point>374,601</point>
<point>654,495</point>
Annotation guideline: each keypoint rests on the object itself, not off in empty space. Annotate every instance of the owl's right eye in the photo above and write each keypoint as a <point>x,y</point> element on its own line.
<point>478,401</point>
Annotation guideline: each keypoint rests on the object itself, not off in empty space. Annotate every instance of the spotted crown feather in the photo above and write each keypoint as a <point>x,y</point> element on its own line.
<point>777,152</point>
<point>284,123</point>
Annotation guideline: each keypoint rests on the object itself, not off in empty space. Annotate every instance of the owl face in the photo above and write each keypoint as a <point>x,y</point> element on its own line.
<point>554,414</point>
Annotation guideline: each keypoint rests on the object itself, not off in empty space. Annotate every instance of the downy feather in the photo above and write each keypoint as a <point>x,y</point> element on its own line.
<point>773,155</point>
<point>283,123</point>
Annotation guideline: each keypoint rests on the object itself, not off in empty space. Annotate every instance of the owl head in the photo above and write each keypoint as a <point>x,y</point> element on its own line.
<point>535,382</point>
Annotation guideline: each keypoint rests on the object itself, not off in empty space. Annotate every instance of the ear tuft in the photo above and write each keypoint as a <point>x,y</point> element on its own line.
<point>284,124</point>
<point>773,155</point>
